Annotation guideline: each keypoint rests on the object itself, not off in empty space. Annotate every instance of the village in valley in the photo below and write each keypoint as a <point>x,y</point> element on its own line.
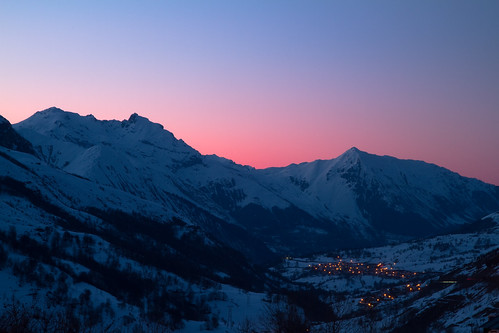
<point>345,268</point>
<point>416,282</point>
<point>387,282</point>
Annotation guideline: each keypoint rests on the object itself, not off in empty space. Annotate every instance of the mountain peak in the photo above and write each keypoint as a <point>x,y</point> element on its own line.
<point>53,114</point>
<point>53,109</point>
<point>136,119</point>
<point>353,150</point>
<point>353,153</point>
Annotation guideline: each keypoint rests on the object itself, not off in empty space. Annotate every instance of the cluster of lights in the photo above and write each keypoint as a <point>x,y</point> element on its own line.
<point>415,287</point>
<point>372,301</point>
<point>358,268</point>
<point>341,267</point>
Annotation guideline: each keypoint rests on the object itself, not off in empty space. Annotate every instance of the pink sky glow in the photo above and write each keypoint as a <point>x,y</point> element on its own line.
<point>270,83</point>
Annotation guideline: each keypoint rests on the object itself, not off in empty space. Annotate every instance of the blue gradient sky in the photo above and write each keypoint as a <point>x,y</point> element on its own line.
<point>268,83</point>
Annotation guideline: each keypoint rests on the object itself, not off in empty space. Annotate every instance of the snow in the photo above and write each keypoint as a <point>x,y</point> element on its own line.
<point>137,166</point>
<point>143,159</point>
<point>238,307</point>
<point>494,217</point>
<point>140,165</point>
<point>430,258</point>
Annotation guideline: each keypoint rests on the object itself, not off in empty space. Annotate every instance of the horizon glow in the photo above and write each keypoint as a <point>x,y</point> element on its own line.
<point>269,83</point>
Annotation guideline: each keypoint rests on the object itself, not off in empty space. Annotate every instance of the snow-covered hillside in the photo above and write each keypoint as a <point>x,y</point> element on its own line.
<point>389,194</point>
<point>435,284</point>
<point>352,200</point>
<point>125,225</point>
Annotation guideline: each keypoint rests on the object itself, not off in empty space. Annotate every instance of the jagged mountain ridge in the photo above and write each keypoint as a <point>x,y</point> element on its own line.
<point>365,186</point>
<point>353,200</point>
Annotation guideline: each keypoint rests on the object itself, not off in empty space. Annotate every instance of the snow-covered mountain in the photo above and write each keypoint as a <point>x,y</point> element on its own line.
<point>119,224</point>
<point>352,200</point>
<point>399,197</point>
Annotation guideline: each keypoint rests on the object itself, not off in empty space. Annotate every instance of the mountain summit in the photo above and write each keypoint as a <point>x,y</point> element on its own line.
<point>117,225</point>
<point>352,200</point>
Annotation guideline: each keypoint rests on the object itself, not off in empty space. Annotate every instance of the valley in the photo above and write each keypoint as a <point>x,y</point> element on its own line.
<point>118,226</point>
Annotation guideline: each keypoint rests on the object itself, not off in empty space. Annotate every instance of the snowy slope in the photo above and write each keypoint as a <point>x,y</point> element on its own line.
<point>66,239</point>
<point>352,200</point>
<point>402,197</point>
<point>99,204</point>
<point>134,155</point>
<point>457,276</point>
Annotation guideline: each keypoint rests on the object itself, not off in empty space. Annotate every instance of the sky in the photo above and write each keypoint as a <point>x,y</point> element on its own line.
<point>269,83</point>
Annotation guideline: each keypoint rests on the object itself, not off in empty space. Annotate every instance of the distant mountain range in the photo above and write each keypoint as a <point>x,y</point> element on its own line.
<point>81,165</point>
<point>118,226</point>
